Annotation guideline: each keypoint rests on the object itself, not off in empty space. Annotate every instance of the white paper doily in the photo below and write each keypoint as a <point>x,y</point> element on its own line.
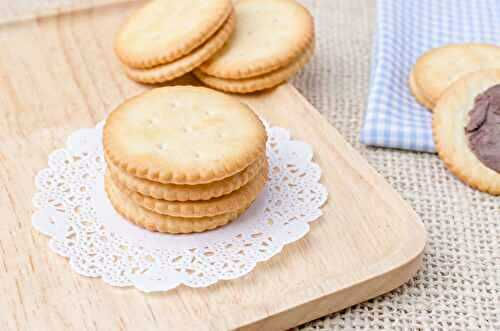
<point>72,208</point>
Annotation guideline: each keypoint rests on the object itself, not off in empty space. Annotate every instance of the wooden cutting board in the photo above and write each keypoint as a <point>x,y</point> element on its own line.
<point>59,74</point>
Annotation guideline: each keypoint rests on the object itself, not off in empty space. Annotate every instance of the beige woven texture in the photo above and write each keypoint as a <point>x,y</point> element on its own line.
<point>459,285</point>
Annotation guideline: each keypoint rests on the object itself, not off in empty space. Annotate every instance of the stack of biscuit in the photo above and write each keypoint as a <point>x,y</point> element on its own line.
<point>256,45</point>
<point>460,84</point>
<point>164,40</point>
<point>272,41</point>
<point>183,159</point>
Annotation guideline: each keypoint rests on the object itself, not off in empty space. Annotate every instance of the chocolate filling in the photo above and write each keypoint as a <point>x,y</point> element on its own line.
<point>483,129</point>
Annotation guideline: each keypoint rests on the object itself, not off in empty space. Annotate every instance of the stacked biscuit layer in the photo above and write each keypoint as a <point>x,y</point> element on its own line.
<point>164,40</point>
<point>272,41</point>
<point>183,159</point>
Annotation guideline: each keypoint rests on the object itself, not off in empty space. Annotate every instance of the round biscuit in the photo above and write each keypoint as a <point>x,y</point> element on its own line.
<point>438,68</point>
<point>173,192</point>
<point>231,202</point>
<point>183,135</point>
<point>269,34</point>
<point>163,31</point>
<point>449,119</point>
<point>163,223</point>
<point>253,84</point>
<point>168,71</point>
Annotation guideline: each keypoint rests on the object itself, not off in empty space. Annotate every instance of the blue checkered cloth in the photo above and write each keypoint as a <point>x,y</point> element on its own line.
<point>405,30</point>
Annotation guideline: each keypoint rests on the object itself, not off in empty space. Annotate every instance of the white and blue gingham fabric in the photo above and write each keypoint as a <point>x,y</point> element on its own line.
<point>405,30</point>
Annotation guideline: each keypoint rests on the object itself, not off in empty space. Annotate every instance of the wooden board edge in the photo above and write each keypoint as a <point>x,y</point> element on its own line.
<point>339,300</point>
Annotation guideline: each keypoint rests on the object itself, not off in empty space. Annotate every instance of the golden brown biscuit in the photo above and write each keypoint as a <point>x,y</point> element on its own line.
<point>231,202</point>
<point>174,192</point>
<point>257,83</point>
<point>168,71</point>
<point>450,117</point>
<point>183,135</point>
<point>269,34</point>
<point>437,69</point>
<point>163,31</point>
<point>163,223</point>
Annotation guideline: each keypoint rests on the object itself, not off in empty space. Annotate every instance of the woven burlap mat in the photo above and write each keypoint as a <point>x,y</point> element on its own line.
<point>459,285</point>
